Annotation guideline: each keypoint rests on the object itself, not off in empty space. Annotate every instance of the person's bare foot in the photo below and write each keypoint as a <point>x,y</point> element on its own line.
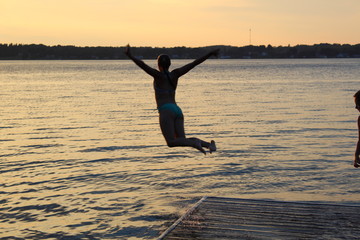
<point>198,146</point>
<point>212,146</point>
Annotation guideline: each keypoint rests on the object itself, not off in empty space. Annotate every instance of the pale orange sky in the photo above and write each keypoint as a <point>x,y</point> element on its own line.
<point>170,23</point>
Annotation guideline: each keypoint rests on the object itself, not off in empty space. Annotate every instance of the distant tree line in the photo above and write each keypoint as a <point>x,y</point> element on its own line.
<point>43,52</point>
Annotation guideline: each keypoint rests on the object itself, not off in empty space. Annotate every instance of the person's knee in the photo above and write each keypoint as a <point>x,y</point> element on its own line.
<point>170,143</point>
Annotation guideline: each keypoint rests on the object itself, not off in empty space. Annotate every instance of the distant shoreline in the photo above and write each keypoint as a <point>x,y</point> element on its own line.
<point>58,52</point>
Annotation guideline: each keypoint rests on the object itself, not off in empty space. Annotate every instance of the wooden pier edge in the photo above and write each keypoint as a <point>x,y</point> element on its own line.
<point>188,212</point>
<point>236,218</point>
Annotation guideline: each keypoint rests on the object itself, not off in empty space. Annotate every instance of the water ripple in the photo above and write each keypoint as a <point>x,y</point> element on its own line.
<point>114,148</point>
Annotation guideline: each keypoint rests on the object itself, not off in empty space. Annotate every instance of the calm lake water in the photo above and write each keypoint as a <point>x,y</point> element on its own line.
<point>82,155</point>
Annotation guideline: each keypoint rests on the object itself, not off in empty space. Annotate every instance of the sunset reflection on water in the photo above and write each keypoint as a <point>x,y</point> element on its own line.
<point>82,153</point>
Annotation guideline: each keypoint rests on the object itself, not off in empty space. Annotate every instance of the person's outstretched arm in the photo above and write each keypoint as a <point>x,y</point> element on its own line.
<point>183,70</point>
<point>149,70</point>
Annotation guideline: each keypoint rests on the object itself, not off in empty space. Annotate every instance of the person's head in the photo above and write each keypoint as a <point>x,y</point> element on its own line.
<point>164,62</point>
<point>357,100</point>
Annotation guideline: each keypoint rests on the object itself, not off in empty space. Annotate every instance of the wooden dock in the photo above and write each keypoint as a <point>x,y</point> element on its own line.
<point>232,218</point>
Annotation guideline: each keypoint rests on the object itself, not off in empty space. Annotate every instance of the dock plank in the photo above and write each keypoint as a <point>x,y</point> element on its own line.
<point>232,218</point>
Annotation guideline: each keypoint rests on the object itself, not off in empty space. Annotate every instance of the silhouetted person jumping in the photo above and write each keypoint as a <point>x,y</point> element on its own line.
<point>357,151</point>
<point>171,116</point>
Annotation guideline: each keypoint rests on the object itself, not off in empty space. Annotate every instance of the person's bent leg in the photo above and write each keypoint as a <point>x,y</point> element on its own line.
<point>180,132</point>
<point>186,142</point>
<point>172,130</point>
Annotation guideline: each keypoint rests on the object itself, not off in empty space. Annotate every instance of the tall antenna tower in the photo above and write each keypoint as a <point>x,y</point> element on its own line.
<point>250,36</point>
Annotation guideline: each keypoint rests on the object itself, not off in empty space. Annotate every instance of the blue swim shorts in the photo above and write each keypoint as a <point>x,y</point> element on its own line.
<point>172,107</point>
